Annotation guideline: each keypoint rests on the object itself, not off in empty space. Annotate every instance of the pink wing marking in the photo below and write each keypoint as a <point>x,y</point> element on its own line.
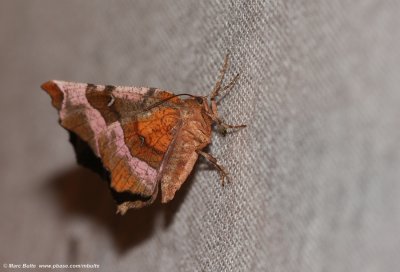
<point>112,135</point>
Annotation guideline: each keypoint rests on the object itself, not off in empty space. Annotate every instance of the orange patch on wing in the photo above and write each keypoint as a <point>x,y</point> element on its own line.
<point>157,128</point>
<point>149,137</point>
<point>123,180</point>
<point>57,96</point>
<point>141,150</point>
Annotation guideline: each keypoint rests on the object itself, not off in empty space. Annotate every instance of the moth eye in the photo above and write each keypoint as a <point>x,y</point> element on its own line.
<point>199,100</point>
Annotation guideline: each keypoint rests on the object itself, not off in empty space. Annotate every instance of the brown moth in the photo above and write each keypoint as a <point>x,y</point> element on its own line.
<point>138,138</point>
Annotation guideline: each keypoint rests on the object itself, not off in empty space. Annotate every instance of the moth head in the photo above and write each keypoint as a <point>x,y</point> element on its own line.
<point>204,103</point>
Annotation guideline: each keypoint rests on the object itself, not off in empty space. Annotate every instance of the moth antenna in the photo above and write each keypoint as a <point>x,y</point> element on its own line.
<point>165,100</point>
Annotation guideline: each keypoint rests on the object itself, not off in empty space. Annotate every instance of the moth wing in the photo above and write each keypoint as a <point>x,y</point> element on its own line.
<point>109,120</point>
<point>193,134</point>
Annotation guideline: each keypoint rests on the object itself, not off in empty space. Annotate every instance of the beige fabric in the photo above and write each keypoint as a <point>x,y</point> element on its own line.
<point>315,175</point>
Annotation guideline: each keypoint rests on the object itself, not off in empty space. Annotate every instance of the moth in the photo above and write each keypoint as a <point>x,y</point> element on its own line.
<point>139,139</point>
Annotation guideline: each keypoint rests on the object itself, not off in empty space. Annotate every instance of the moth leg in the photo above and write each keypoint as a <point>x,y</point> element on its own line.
<point>221,170</point>
<point>230,85</point>
<point>218,84</point>
<point>222,127</point>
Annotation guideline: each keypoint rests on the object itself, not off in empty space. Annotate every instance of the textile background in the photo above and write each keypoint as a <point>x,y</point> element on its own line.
<point>315,175</point>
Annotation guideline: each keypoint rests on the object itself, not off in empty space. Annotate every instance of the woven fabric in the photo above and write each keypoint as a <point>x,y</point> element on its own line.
<point>315,175</point>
